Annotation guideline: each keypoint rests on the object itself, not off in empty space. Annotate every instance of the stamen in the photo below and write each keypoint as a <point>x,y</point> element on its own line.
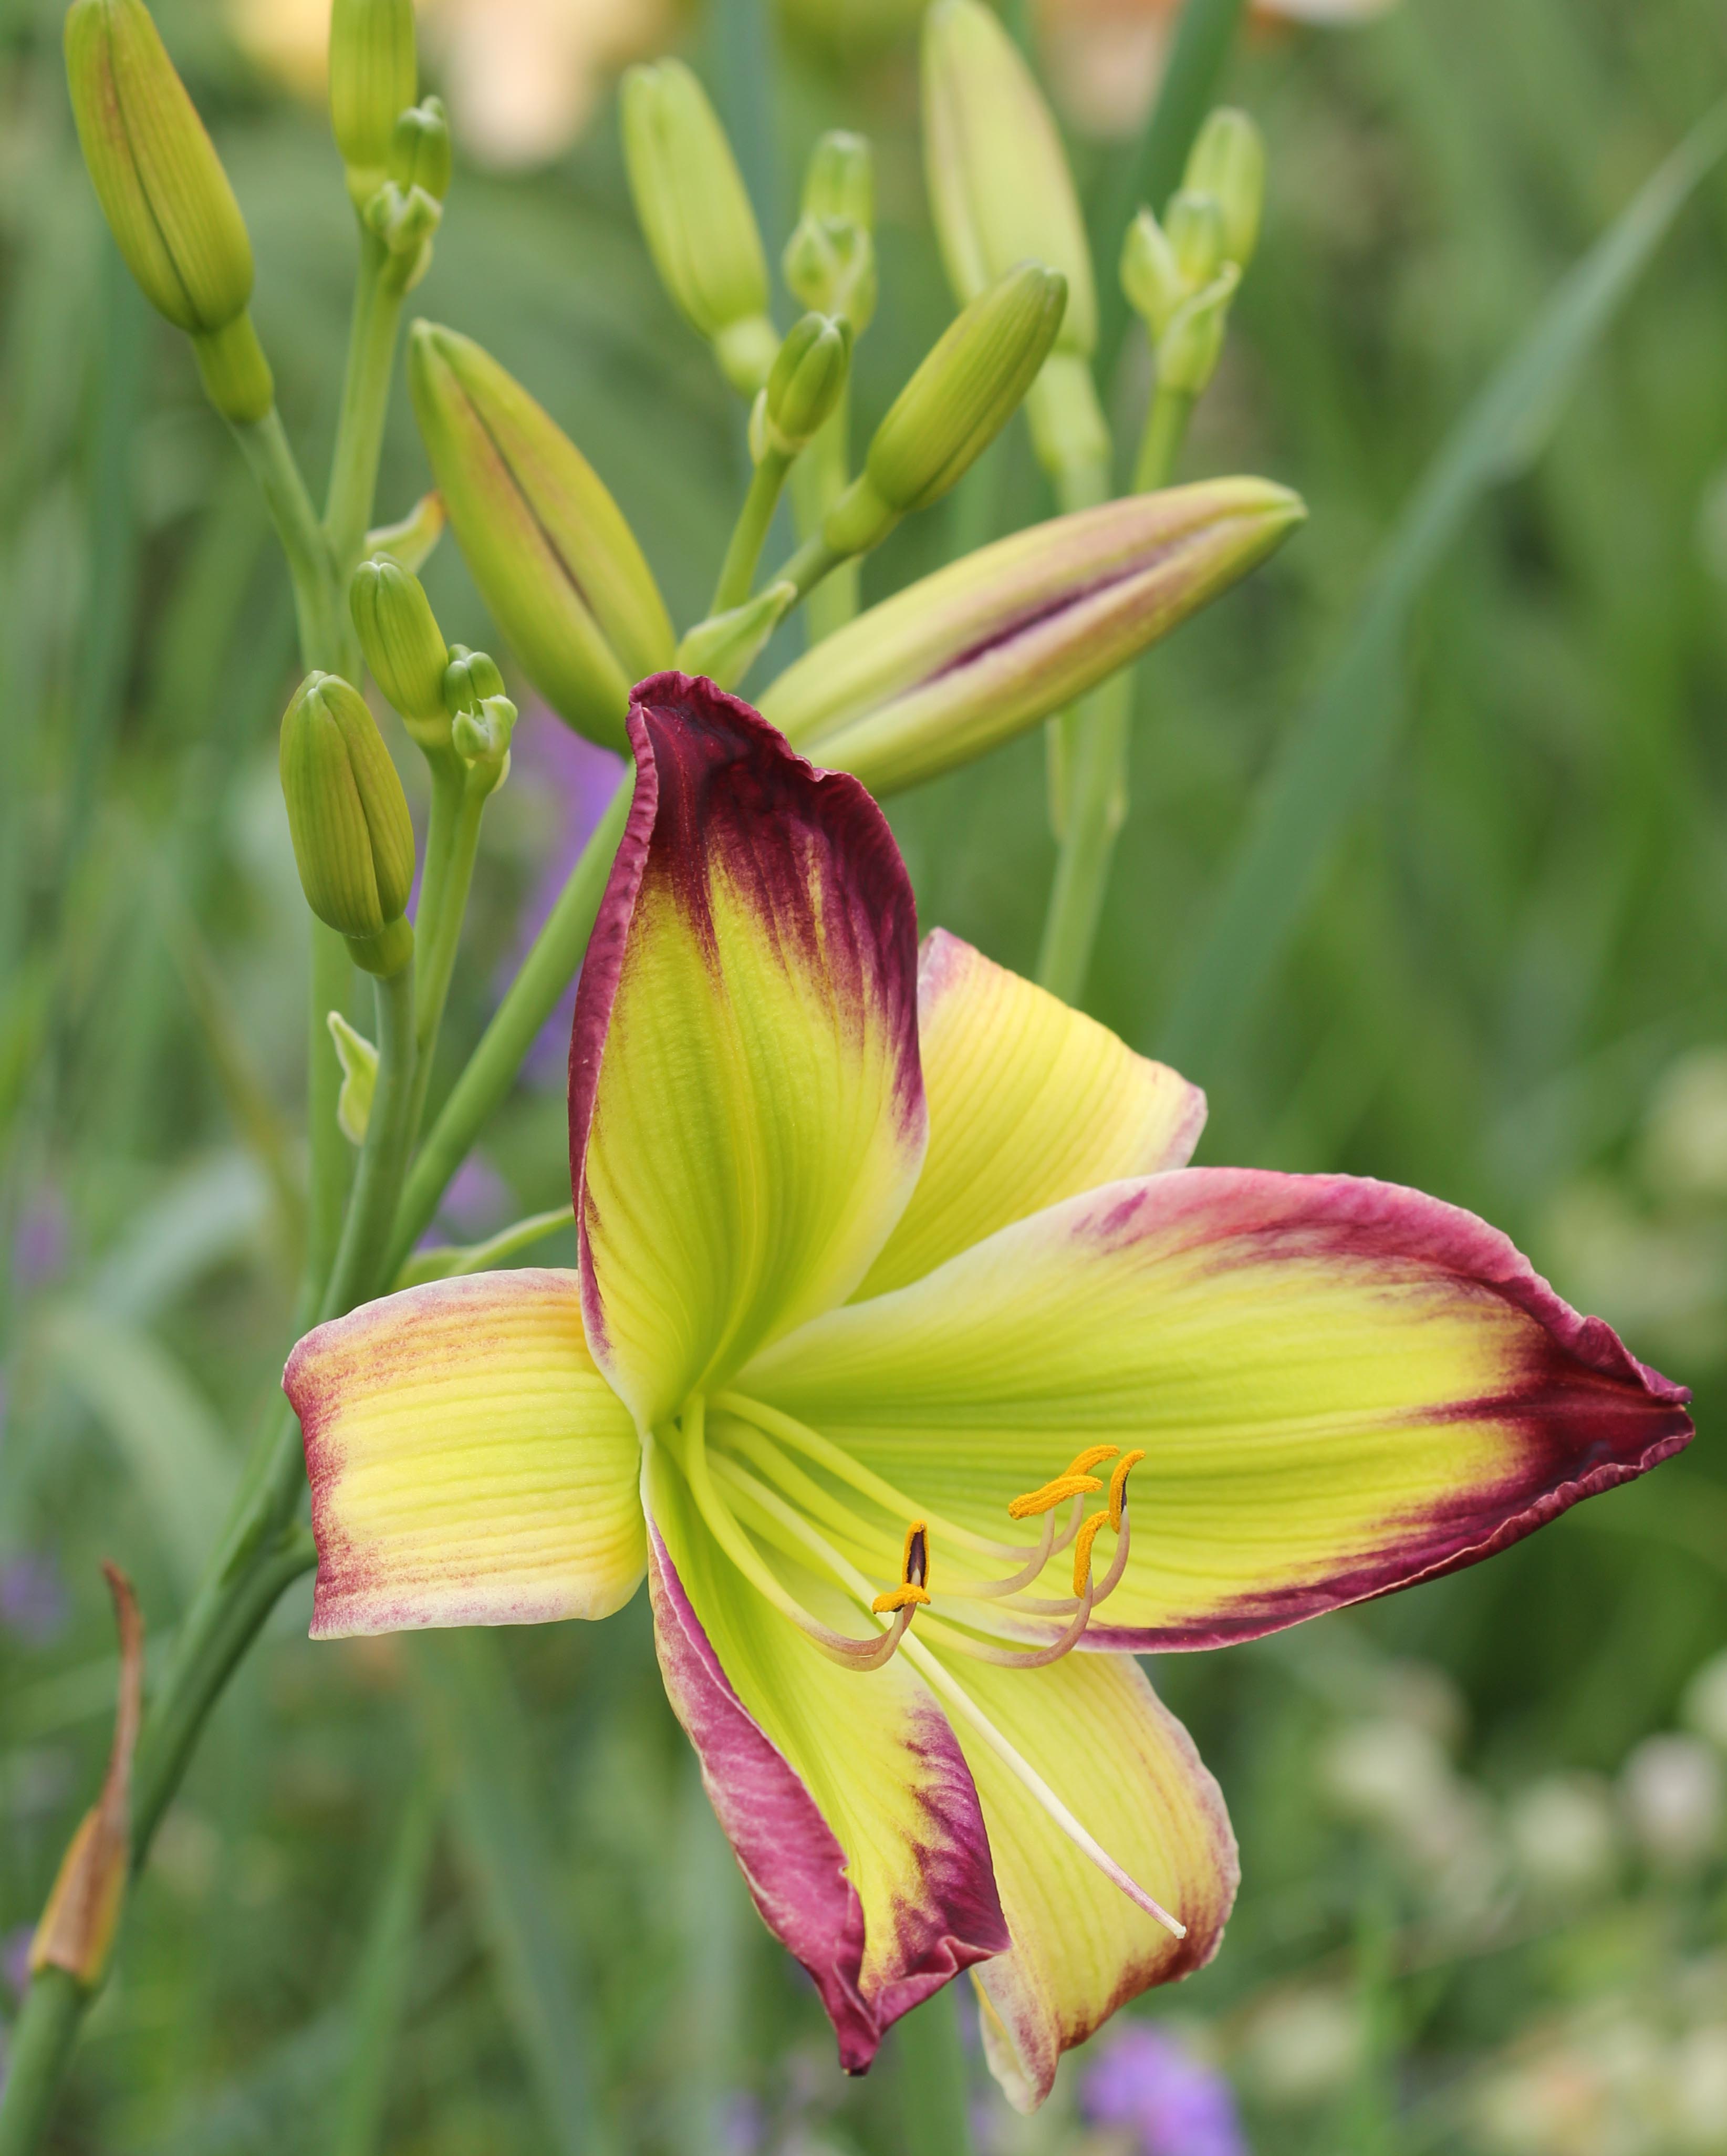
<point>1076,1479</point>
<point>940,1681</point>
<point>1082,1551</point>
<point>1014,1658</point>
<point>1118,1486</point>
<point>876,1544</point>
<point>913,1589</point>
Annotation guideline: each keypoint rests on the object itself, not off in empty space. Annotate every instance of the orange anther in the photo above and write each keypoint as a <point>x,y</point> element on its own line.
<point>1082,1541</point>
<point>1051,1495</point>
<point>1093,1457</point>
<point>1117,1487</point>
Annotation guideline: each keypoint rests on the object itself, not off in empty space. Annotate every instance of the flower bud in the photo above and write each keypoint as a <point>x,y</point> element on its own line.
<point>1150,274</point>
<point>470,677</point>
<point>548,547</point>
<point>1000,188</point>
<point>420,149</point>
<point>1227,162</point>
<point>374,73</point>
<point>725,646</point>
<point>839,180</point>
<point>830,265</point>
<point>952,667</point>
<point>164,195</point>
<point>404,647</point>
<point>1189,349</point>
<point>347,815</point>
<point>953,407</point>
<point>482,718</point>
<point>1194,223</point>
<point>804,386</point>
<point>696,217</point>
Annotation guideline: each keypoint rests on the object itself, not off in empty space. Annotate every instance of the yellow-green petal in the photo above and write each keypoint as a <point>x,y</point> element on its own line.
<point>1030,1102</point>
<point>469,1464</point>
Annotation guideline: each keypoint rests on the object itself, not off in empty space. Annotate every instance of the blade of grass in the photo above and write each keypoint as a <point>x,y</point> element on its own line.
<point>481,1738</point>
<point>1338,746</point>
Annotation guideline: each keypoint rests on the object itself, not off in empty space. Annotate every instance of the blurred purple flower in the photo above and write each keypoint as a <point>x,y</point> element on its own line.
<point>39,1243</point>
<point>477,1201</point>
<point>15,1960</point>
<point>1146,2082</point>
<point>33,1606</point>
<point>579,779</point>
<point>742,2128</point>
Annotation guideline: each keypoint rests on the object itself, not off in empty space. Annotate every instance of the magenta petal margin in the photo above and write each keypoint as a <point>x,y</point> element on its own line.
<point>793,1865</point>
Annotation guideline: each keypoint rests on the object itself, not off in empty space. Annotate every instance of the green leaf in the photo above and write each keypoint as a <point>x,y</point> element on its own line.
<point>1339,745</point>
<point>481,1738</point>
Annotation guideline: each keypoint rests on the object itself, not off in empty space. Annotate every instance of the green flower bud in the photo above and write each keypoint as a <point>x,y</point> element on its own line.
<point>358,1059</point>
<point>420,149</point>
<point>482,718</point>
<point>952,667</point>
<point>406,223</point>
<point>830,265</point>
<point>804,386</point>
<point>839,180</point>
<point>725,646</point>
<point>1194,225</point>
<point>696,217</point>
<point>404,647</point>
<point>374,73</point>
<point>469,679</point>
<point>953,407</point>
<point>353,842</point>
<point>1189,349</point>
<point>164,195</point>
<point>548,547</point>
<point>1151,276</point>
<point>1227,162</point>
<point>1000,187</point>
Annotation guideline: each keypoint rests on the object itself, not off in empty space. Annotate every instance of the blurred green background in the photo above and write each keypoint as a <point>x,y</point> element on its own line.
<point>470,1901</point>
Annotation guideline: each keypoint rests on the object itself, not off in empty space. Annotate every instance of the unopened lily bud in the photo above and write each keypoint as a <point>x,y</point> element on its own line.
<point>1189,349</point>
<point>482,718</point>
<point>405,222</point>
<point>696,218</point>
<point>830,265</point>
<point>804,386</point>
<point>725,646</point>
<point>374,73</point>
<point>1227,162</point>
<point>1194,225</point>
<point>1150,274</point>
<point>164,195</point>
<point>420,149</point>
<point>549,549</point>
<point>953,407</point>
<point>353,841</point>
<point>469,679</point>
<point>839,180</point>
<point>358,1059</point>
<point>404,647</point>
<point>952,667</point>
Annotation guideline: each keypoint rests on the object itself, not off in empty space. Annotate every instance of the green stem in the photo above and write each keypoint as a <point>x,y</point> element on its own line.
<point>533,997</point>
<point>749,534</point>
<point>435,958</point>
<point>449,787</point>
<point>41,2047</point>
<point>814,559</point>
<point>310,566</point>
<point>360,1265</point>
<point>935,2114</point>
<point>1160,444</point>
<point>331,1161</point>
<point>366,397</point>
<point>818,479</point>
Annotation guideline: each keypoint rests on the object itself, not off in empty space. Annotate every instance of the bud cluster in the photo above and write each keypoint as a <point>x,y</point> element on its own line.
<point>829,260</point>
<point>1180,274</point>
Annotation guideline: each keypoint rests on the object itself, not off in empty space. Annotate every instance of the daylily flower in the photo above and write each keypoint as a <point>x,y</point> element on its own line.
<point>905,1356</point>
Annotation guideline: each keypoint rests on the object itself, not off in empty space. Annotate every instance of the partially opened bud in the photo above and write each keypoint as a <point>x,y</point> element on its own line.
<point>374,73</point>
<point>1227,162</point>
<point>1189,349</point>
<point>953,666</point>
<point>696,217</point>
<point>551,551</point>
<point>353,841</point>
<point>805,384</point>
<point>164,195</point>
<point>404,647</point>
<point>953,407</point>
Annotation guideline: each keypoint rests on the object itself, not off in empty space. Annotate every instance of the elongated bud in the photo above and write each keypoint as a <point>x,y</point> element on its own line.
<point>1194,225</point>
<point>804,386</point>
<point>404,647</point>
<point>420,149</point>
<point>353,842</point>
<point>164,195</point>
<point>374,75</point>
<point>829,260</point>
<point>953,666</point>
<point>1150,274</point>
<point>1189,349</point>
<point>953,407</point>
<point>725,646</point>
<point>696,217</point>
<point>1227,162</point>
<point>550,550</point>
<point>358,1059</point>
<point>839,180</point>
